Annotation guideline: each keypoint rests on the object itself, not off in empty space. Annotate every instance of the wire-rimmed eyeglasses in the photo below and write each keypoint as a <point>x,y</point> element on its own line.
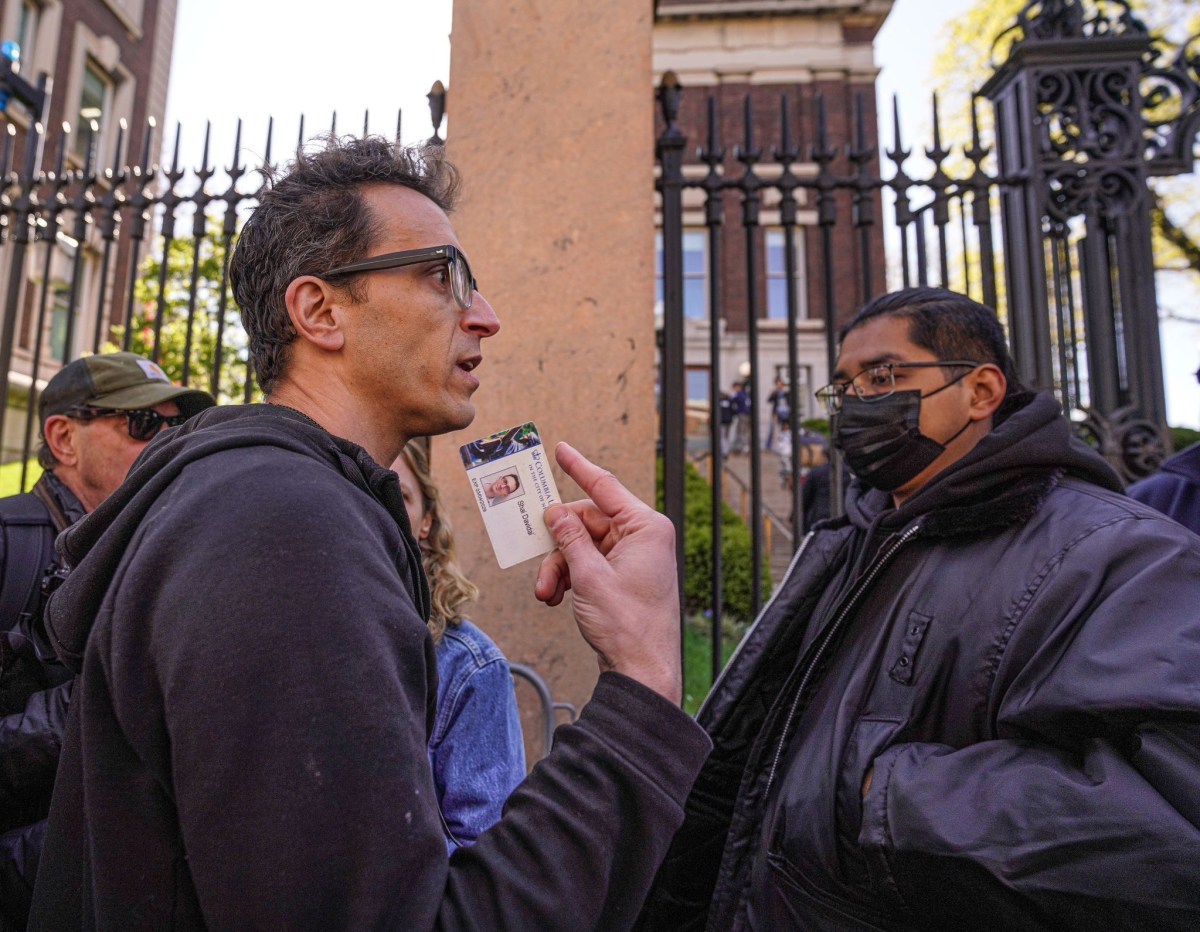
<point>462,282</point>
<point>877,382</point>
<point>142,423</point>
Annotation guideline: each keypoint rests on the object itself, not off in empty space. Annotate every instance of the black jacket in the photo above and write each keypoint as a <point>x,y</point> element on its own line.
<point>250,721</point>
<point>1174,489</point>
<point>1014,657</point>
<point>34,687</point>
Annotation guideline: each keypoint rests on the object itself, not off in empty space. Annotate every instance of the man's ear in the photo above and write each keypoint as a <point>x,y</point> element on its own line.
<point>315,308</point>
<point>988,387</point>
<point>62,438</point>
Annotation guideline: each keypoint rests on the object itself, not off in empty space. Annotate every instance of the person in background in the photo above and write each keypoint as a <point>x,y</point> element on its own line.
<point>1174,489</point>
<point>781,413</point>
<point>816,496</point>
<point>476,750</point>
<point>739,430</point>
<point>725,412</point>
<point>96,415</point>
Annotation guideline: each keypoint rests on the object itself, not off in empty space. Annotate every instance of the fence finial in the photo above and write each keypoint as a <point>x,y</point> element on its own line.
<point>270,133</point>
<point>669,95</point>
<point>437,111</point>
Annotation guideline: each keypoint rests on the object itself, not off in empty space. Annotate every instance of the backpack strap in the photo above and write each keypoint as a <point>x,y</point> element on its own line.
<point>28,539</point>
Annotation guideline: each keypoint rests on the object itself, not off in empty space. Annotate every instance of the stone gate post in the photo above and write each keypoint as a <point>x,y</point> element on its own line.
<point>551,124</point>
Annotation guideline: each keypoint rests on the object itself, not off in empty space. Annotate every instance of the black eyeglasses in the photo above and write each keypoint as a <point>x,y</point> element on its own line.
<point>877,382</point>
<point>462,282</point>
<point>142,423</point>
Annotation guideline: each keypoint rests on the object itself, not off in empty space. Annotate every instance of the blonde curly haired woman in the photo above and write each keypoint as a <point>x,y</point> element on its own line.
<point>476,749</point>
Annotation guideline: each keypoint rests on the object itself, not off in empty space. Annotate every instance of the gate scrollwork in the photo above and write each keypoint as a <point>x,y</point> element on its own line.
<point>1132,444</point>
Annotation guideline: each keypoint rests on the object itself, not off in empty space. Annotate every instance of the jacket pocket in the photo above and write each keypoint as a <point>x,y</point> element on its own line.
<point>869,738</point>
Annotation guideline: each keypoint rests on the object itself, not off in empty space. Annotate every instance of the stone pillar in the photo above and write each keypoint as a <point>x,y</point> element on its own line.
<point>550,121</point>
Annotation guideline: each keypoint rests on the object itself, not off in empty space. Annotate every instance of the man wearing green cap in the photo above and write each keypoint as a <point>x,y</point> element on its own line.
<point>97,414</point>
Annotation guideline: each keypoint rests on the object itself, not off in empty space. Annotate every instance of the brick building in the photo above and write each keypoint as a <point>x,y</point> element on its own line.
<point>762,49</point>
<point>108,61</point>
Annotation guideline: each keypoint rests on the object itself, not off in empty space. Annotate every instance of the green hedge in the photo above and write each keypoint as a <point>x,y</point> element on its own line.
<point>819,424</point>
<point>697,554</point>
<point>10,477</point>
<point>1183,437</point>
<point>697,662</point>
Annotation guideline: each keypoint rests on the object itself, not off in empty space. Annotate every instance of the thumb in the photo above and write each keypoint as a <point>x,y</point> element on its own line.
<point>571,538</point>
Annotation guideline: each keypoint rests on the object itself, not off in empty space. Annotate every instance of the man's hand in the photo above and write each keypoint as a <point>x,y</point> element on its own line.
<point>618,556</point>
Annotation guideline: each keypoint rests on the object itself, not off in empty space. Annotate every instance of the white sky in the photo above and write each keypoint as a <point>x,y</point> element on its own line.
<point>252,59</point>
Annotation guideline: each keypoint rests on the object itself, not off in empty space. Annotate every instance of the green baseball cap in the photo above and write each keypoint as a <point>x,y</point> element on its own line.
<point>118,382</point>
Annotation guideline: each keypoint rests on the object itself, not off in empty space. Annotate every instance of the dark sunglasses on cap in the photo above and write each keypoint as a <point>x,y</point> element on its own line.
<point>142,423</point>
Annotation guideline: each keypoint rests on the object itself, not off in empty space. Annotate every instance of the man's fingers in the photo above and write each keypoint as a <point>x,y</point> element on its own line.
<point>553,579</point>
<point>596,521</point>
<point>573,540</point>
<point>601,486</point>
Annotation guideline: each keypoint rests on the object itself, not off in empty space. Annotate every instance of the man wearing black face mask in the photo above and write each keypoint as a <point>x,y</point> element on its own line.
<point>974,702</point>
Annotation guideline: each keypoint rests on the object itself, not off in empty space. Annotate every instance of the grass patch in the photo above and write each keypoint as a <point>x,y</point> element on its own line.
<point>10,477</point>
<point>697,661</point>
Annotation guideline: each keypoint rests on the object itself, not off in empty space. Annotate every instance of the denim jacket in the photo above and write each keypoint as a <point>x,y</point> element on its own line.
<point>477,751</point>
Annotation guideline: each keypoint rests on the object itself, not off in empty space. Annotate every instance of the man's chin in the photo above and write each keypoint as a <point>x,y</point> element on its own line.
<point>458,419</point>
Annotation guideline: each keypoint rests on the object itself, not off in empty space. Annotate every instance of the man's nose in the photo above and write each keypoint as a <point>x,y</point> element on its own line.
<point>480,318</point>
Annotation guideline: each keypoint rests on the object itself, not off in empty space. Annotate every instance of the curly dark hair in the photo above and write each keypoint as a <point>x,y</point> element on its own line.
<point>312,217</point>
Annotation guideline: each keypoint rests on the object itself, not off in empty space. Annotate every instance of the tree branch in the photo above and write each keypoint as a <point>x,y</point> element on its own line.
<point>1178,237</point>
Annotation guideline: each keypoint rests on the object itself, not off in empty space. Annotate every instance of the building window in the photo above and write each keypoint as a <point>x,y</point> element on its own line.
<point>777,276</point>
<point>27,28</point>
<point>697,385</point>
<point>695,274</point>
<point>58,324</point>
<point>94,104</point>
<point>130,11</point>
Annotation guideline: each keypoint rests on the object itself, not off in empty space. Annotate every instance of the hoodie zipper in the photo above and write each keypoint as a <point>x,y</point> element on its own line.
<point>827,638</point>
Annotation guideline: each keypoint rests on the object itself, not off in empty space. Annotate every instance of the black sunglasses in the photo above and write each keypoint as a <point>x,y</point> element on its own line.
<point>142,423</point>
<point>462,282</point>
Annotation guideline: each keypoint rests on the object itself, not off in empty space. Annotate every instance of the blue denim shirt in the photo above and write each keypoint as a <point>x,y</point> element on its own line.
<point>476,750</point>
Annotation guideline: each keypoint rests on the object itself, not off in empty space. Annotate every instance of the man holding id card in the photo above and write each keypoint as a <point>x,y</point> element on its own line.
<point>247,615</point>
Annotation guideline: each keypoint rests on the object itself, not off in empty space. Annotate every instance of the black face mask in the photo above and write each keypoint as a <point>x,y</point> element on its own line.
<point>882,440</point>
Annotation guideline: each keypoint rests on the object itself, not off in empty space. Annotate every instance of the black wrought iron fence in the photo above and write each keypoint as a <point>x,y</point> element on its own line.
<point>126,253</point>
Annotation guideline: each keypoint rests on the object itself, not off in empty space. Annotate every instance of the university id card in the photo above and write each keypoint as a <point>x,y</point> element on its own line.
<point>512,483</point>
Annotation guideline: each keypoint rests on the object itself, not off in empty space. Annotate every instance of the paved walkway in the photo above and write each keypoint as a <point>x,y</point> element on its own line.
<point>777,503</point>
